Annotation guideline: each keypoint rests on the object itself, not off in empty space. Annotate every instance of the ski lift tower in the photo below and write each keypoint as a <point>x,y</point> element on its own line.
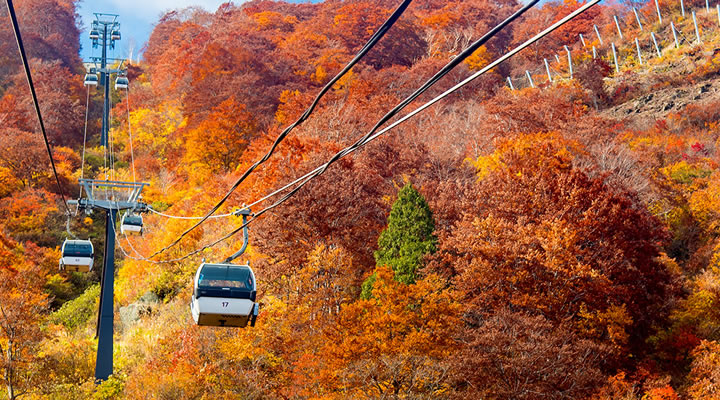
<point>104,31</point>
<point>111,197</point>
<point>106,195</point>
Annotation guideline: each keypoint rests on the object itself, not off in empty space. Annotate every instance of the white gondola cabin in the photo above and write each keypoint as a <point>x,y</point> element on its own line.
<point>77,255</point>
<point>91,79</point>
<point>121,82</point>
<point>131,224</point>
<point>224,295</point>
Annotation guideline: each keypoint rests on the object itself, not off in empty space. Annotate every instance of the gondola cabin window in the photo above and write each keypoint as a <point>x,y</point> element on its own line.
<point>213,276</point>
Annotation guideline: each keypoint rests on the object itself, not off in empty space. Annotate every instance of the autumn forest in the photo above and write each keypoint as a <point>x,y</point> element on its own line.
<point>553,240</point>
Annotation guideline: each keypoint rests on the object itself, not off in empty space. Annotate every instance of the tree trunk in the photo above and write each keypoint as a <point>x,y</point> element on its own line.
<point>9,372</point>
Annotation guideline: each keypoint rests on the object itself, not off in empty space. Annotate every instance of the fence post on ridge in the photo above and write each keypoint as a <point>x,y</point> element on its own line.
<point>652,35</point>
<point>569,61</point>
<point>637,18</point>
<point>617,67</point>
<point>547,68</point>
<point>617,24</point>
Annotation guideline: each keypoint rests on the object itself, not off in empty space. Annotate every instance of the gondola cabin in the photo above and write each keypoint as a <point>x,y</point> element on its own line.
<point>77,255</point>
<point>224,295</point>
<point>91,79</point>
<point>121,82</point>
<point>131,224</point>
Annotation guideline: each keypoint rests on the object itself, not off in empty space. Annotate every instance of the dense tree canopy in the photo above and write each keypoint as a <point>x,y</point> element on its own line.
<point>555,242</point>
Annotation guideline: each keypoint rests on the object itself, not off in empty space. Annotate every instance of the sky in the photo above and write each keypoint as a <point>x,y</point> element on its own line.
<point>137,18</point>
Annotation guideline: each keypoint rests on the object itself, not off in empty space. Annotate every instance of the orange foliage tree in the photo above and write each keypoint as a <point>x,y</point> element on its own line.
<point>218,142</point>
<point>393,344</point>
<point>550,239</point>
<point>22,305</point>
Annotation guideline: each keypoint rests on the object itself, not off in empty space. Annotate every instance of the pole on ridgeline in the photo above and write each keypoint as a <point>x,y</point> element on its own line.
<point>547,68</point>
<point>527,73</point>
<point>509,81</point>
<point>597,32</point>
<point>637,45</point>
<point>617,67</point>
<point>637,18</point>
<point>657,7</point>
<point>697,31</point>
<point>672,27</point>
<point>657,48</point>
<point>617,24</point>
<point>569,61</point>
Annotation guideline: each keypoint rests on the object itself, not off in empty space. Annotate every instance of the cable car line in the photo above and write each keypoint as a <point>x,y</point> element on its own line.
<point>111,148</point>
<point>435,78</point>
<point>458,86</point>
<point>154,211</point>
<point>382,30</point>
<point>368,138</point>
<point>319,170</point>
<point>23,57</point>
<point>432,81</point>
<point>439,75</point>
<point>82,165</point>
<point>132,154</point>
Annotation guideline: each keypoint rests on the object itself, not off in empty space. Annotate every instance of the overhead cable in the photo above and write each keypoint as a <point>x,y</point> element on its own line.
<point>369,45</point>
<point>444,71</point>
<point>399,107</point>
<point>154,211</point>
<point>132,154</point>
<point>302,181</point>
<point>16,29</point>
<point>319,170</point>
<point>87,110</point>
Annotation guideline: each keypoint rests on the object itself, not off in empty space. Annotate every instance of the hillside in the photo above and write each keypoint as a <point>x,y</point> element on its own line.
<point>557,239</point>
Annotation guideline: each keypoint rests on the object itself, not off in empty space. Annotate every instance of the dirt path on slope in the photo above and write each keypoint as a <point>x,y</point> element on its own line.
<point>646,109</point>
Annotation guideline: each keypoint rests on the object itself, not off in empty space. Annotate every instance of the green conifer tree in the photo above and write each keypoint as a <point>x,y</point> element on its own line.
<point>407,238</point>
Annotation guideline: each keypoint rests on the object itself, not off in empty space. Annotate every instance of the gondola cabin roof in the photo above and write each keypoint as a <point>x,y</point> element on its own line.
<point>134,220</point>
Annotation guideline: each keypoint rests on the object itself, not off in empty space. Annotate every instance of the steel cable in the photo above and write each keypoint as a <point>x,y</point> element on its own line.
<point>319,170</point>
<point>23,57</point>
<point>382,30</point>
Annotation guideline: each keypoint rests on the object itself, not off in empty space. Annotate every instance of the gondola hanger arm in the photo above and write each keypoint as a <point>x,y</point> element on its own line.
<point>245,212</point>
